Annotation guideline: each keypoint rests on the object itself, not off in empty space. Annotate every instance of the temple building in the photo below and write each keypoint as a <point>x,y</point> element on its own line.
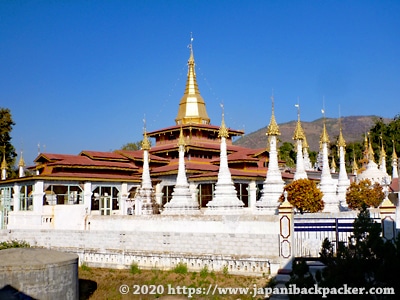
<point>113,183</point>
<point>191,167</point>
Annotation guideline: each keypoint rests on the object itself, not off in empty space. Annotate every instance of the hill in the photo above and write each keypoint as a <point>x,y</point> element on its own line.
<point>353,128</point>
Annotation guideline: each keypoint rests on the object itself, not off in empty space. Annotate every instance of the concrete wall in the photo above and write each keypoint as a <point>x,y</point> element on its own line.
<point>245,244</point>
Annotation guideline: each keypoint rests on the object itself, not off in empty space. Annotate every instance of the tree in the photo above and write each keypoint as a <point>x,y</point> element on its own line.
<point>364,193</point>
<point>366,261</point>
<point>386,133</point>
<point>132,146</point>
<point>372,261</point>
<point>287,153</point>
<point>304,195</point>
<point>6,124</point>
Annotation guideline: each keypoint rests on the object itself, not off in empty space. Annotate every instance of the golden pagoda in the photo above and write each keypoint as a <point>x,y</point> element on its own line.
<point>192,108</point>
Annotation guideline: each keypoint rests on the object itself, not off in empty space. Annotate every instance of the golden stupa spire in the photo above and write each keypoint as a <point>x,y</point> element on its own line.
<point>382,153</point>
<point>324,136</point>
<point>192,108</point>
<point>305,143</point>
<point>273,128</point>
<point>355,165</point>
<point>21,162</point>
<point>394,155</point>
<point>223,131</point>
<point>298,132</point>
<point>333,164</point>
<point>341,142</point>
<point>181,141</point>
<point>145,143</point>
<point>4,162</point>
<point>370,151</point>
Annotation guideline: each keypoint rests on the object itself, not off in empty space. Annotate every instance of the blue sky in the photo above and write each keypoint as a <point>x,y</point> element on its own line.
<point>82,75</point>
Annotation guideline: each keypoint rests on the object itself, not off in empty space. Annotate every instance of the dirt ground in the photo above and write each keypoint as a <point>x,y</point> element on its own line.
<point>100,284</point>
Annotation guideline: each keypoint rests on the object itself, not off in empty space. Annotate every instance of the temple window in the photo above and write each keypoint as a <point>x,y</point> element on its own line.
<point>26,198</point>
<point>242,192</point>
<point>206,191</point>
<point>105,199</point>
<point>6,203</point>
<point>63,194</point>
<point>167,194</point>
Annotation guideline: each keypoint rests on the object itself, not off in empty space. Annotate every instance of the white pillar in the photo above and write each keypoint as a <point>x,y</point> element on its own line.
<point>124,196</point>
<point>300,170</point>
<point>87,196</point>
<point>252,191</point>
<point>38,194</point>
<point>16,195</point>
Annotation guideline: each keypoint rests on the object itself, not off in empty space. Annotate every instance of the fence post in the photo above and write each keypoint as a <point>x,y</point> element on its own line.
<point>286,233</point>
<point>387,212</point>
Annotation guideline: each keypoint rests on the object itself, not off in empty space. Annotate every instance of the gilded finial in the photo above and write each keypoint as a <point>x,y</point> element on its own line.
<point>4,162</point>
<point>298,132</point>
<point>324,135</point>
<point>223,131</point>
<point>394,155</point>
<point>181,141</point>
<point>382,153</point>
<point>21,162</point>
<point>370,150</point>
<point>145,142</point>
<point>355,165</point>
<point>341,142</point>
<point>305,143</point>
<point>333,164</point>
<point>273,128</point>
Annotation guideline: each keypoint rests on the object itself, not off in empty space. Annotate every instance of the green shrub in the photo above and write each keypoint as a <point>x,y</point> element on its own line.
<point>180,268</point>
<point>14,244</point>
<point>204,272</point>
<point>85,267</point>
<point>135,268</point>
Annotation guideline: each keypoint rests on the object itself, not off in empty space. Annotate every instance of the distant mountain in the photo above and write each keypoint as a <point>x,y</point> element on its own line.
<point>353,128</point>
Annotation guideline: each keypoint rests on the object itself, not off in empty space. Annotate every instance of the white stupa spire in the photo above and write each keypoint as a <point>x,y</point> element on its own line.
<point>181,201</point>
<point>299,138</point>
<point>382,157</point>
<point>327,184</point>
<point>144,198</point>
<point>225,199</point>
<point>395,173</point>
<point>343,180</point>
<point>273,184</point>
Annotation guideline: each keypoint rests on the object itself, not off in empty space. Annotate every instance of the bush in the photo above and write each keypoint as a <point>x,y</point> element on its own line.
<point>14,244</point>
<point>135,268</point>
<point>180,268</point>
<point>204,272</point>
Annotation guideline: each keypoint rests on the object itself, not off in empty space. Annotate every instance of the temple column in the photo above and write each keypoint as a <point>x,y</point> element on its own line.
<point>37,199</point>
<point>16,197</point>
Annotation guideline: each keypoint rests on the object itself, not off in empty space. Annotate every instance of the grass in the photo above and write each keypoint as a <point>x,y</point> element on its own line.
<point>98,283</point>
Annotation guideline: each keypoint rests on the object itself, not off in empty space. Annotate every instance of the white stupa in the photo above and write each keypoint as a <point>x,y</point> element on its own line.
<point>372,171</point>
<point>343,179</point>
<point>306,158</point>
<point>181,201</point>
<point>327,184</point>
<point>395,173</point>
<point>299,137</point>
<point>273,184</point>
<point>144,198</point>
<point>225,199</point>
